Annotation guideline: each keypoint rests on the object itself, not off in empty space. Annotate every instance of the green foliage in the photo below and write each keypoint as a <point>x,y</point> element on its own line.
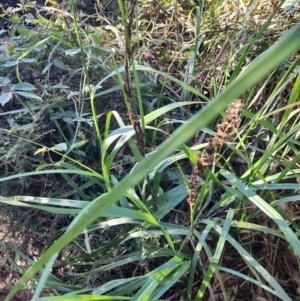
<point>124,170</point>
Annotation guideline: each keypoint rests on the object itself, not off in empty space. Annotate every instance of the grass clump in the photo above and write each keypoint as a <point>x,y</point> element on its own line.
<point>166,152</point>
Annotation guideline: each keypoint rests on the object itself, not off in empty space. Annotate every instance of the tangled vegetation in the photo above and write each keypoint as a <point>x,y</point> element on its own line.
<point>149,150</point>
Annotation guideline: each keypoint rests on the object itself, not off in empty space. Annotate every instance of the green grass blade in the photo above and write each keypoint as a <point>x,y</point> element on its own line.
<point>267,209</point>
<point>259,68</point>
<point>216,258</point>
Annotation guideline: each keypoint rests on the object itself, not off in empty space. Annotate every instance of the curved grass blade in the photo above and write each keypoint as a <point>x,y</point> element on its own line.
<point>267,209</point>
<point>269,59</point>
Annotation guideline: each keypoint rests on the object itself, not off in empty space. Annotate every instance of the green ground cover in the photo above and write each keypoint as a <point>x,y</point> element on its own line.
<point>149,150</point>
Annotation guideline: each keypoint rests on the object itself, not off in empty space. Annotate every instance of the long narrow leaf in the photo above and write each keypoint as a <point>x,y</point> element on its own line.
<point>259,68</point>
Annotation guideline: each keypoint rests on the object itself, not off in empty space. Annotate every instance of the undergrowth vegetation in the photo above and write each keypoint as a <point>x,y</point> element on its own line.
<point>149,150</point>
